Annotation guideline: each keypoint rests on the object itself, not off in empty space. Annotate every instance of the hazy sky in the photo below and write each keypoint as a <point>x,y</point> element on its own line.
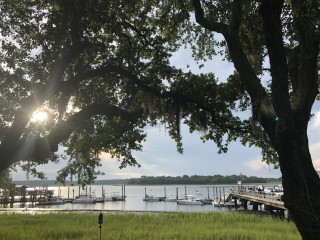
<point>159,156</point>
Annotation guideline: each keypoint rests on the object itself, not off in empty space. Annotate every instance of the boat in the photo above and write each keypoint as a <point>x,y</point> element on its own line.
<point>217,202</point>
<point>202,199</point>
<point>206,200</point>
<point>170,199</point>
<point>100,200</point>
<point>84,199</point>
<point>190,200</point>
<point>51,201</point>
<point>114,196</point>
<point>152,198</point>
<point>230,203</point>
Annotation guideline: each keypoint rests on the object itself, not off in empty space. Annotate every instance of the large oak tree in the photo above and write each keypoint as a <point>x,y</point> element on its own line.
<point>274,38</point>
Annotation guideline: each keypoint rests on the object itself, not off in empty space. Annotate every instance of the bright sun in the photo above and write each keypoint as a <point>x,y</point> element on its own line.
<point>39,116</point>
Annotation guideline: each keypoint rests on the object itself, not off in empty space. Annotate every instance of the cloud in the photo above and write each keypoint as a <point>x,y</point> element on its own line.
<point>315,154</point>
<point>125,174</point>
<point>256,165</point>
<point>315,120</point>
<point>222,69</point>
<point>316,164</point>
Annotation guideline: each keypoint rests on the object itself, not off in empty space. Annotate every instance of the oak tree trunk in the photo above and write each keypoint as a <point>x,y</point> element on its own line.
<point>300,181</point>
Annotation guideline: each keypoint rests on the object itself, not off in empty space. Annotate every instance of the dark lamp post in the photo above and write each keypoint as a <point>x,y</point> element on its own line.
<point>100,222</point>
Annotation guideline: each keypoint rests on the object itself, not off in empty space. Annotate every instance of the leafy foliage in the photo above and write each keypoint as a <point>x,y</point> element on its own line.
<point>8,188</point>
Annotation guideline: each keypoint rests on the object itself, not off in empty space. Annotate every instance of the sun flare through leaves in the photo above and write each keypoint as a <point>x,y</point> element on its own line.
<point>39,116</point>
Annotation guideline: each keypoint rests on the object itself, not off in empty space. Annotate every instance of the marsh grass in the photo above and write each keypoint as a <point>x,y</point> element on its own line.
<point>141,226</point>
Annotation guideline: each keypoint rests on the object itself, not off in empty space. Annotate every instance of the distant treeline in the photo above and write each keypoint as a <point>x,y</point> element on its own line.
<point>35,183</point>
<point>161,180</point>
<point>196,179</point>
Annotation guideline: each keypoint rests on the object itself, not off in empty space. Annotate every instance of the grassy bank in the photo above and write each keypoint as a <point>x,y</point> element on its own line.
<point>145,226</point>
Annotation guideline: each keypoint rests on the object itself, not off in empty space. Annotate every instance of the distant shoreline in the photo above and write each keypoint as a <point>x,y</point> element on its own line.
<point>165,180</point>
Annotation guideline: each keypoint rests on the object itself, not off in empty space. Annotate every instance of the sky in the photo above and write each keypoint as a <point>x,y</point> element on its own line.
<point>160,158</point>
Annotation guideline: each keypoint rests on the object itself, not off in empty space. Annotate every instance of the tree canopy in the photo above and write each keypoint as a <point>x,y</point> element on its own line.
<point>86,64</point>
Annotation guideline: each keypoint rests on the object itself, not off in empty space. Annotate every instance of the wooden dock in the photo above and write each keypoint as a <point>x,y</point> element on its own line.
<point>269,202</point>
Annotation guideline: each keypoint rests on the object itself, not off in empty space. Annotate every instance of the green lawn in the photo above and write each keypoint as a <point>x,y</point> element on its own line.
<point>141,226</point>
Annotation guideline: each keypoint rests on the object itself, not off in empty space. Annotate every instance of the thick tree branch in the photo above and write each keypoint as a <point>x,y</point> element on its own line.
<point>236,15</point>
<point>26,149</point>
<point>30,104</point>
<point>241,63</point>
<point>200,18</point>
<point>270,12</point>
<point>307,76</point>
<point>251,82</point>
<point>62,131</point>
<point>293,67</point>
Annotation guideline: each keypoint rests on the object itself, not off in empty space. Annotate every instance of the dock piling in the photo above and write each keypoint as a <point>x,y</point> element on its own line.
<point>224,196</point>
<point>177,192</point>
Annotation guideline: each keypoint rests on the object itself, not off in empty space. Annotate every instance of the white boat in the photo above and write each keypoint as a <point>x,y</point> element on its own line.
<point>84,199</point>
<point>217,202</point>
<point>206,200</point>
<point>202,199</point>
<point>230,203</point>
<point>114,196</point>
<point>190,200</point>
<point>100,200</point>
<point>151,198</point>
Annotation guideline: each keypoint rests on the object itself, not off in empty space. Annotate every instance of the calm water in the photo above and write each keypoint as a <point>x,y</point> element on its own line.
<point>135,194</point>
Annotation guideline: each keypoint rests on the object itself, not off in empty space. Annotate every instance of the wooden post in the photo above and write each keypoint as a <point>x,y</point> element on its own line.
<point>86,190</point>
<point>224,196</point>
<point>165,192</point>
<point>286,213</point>
<point>79,190</point>
<point>245,204</point>
<point>68,192</point>
<point>124,190</point>
<point>145,192</point>
<point>177,192</point>
<point>220,193</point>
<point>185,190</point>
<point>72,193</point>
<point>208,193</point>
<point>235,203</point>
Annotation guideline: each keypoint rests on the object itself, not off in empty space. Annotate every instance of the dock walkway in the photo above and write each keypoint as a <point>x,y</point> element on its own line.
<point>268,201</point>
